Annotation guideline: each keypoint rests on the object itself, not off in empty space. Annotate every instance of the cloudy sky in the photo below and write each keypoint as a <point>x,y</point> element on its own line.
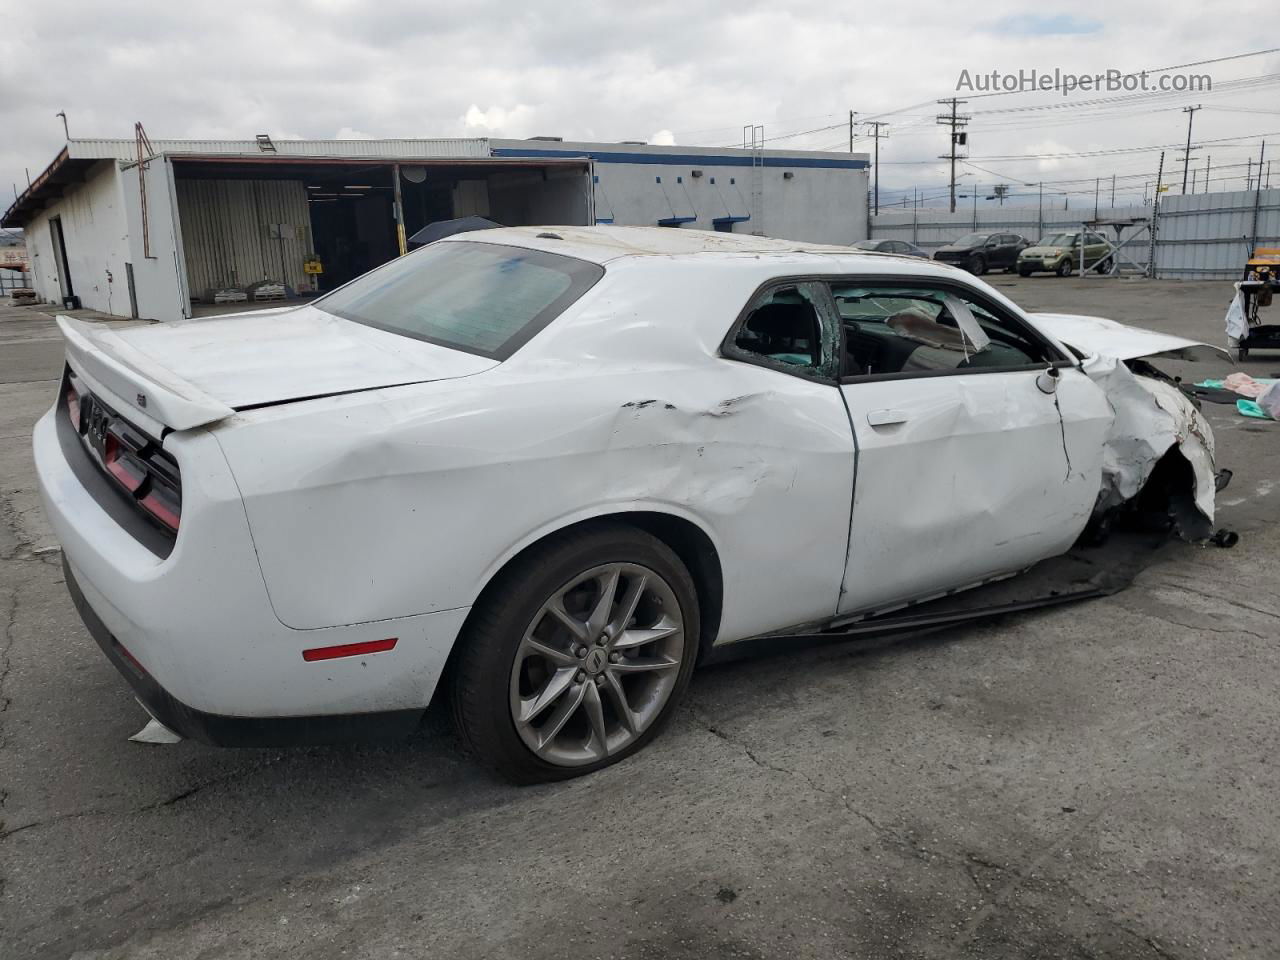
<point>689,72</point>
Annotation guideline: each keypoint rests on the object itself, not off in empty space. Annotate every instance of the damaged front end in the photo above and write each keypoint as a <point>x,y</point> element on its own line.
<point>1158,467</point>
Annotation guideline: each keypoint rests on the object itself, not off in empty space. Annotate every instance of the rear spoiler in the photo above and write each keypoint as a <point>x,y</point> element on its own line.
<point>136,379</point>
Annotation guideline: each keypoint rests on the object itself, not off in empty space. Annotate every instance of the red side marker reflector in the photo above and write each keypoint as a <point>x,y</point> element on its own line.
<point>349,649</point>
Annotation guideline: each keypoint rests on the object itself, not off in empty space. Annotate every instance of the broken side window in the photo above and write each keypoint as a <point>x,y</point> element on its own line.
<point>901,329</point>
<point>784,328</point>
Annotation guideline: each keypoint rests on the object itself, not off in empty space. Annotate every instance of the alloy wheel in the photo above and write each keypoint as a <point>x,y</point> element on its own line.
<point>596,664</point>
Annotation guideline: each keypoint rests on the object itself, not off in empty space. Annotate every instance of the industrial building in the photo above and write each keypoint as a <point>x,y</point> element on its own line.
<point>168,229</point>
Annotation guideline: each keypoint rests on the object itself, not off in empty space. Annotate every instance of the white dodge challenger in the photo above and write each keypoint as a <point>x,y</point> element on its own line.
<point>544,471</point>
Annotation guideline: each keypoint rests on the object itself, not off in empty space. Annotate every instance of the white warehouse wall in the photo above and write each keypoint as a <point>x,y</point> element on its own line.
<point>93,226</point>
<point>824,199</point>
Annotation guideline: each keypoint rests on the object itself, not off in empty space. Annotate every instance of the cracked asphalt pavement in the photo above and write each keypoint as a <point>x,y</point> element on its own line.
<point>1096,780</point>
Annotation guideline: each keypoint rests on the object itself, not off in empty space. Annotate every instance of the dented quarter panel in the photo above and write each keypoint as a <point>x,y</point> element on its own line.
<point>410,499</point>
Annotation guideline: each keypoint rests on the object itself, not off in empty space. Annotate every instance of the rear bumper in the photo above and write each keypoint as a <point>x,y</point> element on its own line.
<point>224,731</point>
<point>217,663</point>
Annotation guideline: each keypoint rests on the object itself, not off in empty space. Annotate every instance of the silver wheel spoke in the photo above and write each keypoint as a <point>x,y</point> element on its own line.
<point>604,605</point>
<point>555,686</point>
<point>620,704</point>
<point>563,712</point>
<point>595,716</point>
<point>630,600</point>
<point>639,636</point>
<point>644,664</point>
<point>561,658</point>
<point>576,626</point>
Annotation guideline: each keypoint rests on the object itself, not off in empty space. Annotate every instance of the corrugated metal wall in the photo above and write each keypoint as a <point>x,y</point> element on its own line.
<point>1206,236</point>
<point>1201,236</point>
<point>229,234</point>
<point>931,228</point>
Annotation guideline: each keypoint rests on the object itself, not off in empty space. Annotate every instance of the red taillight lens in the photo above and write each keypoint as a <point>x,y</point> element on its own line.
<point>163,507</point>
<point>73,407</point>
<point>122,465</point>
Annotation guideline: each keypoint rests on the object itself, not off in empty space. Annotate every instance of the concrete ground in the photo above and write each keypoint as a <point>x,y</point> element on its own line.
<point>1090,781</point>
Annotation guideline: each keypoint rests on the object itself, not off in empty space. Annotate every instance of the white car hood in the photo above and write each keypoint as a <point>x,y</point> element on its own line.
<point>1097,336</point>
<point>265,357</point>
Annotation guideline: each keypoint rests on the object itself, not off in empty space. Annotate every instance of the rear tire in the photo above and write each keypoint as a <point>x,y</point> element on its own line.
<point>521,669</point>
<point>1024,271</point>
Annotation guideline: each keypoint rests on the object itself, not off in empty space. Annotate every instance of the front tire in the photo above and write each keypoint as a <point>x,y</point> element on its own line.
<point>577,654</point>
<point>1065,268</point>
<point>977,265</point>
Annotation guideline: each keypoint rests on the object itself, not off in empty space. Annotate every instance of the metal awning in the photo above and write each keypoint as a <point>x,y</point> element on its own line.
<point>50,185</point>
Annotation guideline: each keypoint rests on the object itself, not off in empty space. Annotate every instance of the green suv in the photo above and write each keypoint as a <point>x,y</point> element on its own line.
<point>1060,254</point>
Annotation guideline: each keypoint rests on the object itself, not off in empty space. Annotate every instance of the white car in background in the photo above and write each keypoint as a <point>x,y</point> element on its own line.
<point>557,466</point>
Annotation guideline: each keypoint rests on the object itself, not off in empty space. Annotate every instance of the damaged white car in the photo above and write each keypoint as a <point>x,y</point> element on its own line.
<point>546,471</point>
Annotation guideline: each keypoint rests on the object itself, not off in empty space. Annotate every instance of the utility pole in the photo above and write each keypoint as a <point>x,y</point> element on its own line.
<point>1155,220</point>
<point>1191,113</point>
<point>1257,200</point>
<point>1208,164</point>
<point>875,126</point>
<point>1097,185</point>
<point>1248,173</point>
<point>958,138</point>
<point>1113,190</point>
<point>1040,215</point>
<point>1268,174</point>
<point>851,131</point>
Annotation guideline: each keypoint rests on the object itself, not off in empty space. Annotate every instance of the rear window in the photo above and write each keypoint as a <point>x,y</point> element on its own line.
<point>482,298</point>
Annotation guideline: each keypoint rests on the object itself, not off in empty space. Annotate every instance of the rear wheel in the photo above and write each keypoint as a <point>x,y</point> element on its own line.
<point>577,655</point>
<point>1024,271</point>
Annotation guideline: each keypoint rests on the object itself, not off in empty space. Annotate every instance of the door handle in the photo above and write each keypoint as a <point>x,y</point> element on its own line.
<point>887,418</point>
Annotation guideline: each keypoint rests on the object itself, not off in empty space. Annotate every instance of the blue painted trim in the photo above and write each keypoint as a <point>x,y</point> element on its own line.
<point>685,159</point>
<point>600,220</point>
<point>731,219</point>
<point>669,221</point>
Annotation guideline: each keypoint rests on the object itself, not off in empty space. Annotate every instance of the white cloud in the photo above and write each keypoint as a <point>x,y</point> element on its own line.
<point>513,122</point>
<point>695,71</point>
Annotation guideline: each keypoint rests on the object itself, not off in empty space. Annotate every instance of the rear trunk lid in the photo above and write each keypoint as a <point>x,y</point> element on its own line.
<point>193,372</point>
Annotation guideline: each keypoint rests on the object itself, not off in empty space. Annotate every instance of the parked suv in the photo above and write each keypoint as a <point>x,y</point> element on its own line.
<point>1060,253</point>
<point>979,252</point>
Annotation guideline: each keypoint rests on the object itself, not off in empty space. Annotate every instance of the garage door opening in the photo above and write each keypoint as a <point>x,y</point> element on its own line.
<point>272,231</point>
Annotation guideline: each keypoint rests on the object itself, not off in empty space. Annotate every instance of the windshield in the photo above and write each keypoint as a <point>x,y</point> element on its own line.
<point>482,298</point>
<point>1058,240</point>
<point>971,240</point>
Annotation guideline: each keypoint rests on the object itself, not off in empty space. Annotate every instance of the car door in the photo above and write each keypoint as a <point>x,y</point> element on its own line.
<point>1004,254</point>
<point>966,467</point>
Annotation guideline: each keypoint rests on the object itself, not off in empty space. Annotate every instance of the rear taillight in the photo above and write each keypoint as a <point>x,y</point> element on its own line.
<point>73,406</point>
<point>140,467</point>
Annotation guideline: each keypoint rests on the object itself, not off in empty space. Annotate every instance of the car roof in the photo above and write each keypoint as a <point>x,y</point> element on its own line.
<point>603,244</point>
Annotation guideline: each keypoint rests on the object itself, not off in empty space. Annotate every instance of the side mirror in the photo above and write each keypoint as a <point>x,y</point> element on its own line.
<point>1047,381</point>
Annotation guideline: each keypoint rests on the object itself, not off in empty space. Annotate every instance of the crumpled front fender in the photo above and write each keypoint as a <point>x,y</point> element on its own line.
<point>1152,417</point>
